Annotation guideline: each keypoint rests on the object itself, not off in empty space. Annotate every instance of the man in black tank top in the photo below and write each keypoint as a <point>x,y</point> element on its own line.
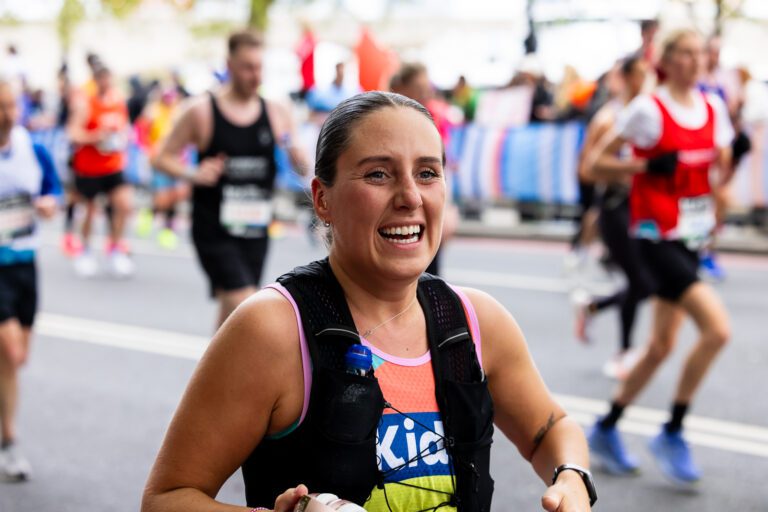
<point>235,132</point>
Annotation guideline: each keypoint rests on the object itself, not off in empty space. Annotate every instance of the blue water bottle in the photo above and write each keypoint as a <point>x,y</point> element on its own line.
<point>359,360</point>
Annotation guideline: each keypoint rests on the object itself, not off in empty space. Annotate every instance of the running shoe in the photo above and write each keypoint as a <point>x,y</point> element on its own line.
<point>619,366</point>
<point>120,263</point>
<point>14,467</point>
<point>575,261</point>
<point>71,245</point>
<point>673,457</point>
<point>710,268</point>
<point>144,223</point>
<point>608,450</point>
<point>86,264</point>
<point>168,239</point>
<point>581,300</point>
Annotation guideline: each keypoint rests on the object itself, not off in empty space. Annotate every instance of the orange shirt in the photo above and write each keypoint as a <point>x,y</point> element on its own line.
<point>105,113</point>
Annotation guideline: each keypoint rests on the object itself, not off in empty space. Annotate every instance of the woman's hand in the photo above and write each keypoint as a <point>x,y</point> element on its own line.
<point>287,501</point>
<point>567,494</point>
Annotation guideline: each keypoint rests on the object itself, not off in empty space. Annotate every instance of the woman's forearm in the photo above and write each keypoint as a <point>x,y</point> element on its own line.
<point>563,443</point>
<point>185,500</point>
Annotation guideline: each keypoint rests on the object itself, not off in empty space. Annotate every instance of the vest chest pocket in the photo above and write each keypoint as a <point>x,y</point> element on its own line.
<point>346,411</point>
<point>470,422</point>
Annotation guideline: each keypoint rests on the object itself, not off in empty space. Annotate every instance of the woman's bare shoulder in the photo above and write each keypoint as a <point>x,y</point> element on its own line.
<point>266,321</point>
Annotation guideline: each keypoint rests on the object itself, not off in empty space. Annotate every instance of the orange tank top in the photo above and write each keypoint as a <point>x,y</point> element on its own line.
<point>107,113</point>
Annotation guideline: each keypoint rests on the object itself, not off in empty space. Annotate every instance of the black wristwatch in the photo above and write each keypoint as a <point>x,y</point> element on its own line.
<point>586,477</point>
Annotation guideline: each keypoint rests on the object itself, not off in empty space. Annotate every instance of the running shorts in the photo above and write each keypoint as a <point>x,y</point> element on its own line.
<point>90,187</point>
<point>231,263</point>
<point>587,194</point>
<point>673,266</point>
<point>161,181</point>
<point>18,293</point>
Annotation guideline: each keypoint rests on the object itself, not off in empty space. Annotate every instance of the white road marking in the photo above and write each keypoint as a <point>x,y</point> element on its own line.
<point>709,432</point>
<point>523,282</point>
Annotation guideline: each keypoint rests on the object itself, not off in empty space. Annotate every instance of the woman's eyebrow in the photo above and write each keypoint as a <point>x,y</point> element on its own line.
<point>374,159</point>
<point>387,159</point>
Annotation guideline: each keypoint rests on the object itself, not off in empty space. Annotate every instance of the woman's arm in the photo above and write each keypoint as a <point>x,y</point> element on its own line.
<point>238,394</point>
<point>281,119</point>
<point>525,410</point>
<point>605,163</point>
<point>596,132</point>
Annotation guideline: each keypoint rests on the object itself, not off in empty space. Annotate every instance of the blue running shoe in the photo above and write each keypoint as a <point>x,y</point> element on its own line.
<point>608,450</point>
<point>710,267</point>
<point>673,456</point>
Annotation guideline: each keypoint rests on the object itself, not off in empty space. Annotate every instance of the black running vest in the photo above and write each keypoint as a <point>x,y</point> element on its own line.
<point>334,448</point>
<point>249,173</point>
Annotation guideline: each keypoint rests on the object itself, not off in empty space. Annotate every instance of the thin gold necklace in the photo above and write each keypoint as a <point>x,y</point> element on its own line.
<point>370,331</point>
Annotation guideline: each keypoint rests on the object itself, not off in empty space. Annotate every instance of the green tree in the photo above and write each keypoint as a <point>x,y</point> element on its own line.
<point>70,14</point>
<point>258,16</point>
<point>120,8</point>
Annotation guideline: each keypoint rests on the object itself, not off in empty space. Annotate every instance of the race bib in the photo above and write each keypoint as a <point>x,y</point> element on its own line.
<point>246,211</point>
<point>696,220</point>
<point>17,217</point>
<point>115,142</point>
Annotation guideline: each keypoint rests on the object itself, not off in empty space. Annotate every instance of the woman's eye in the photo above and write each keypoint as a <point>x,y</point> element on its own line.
<point>376,175</point>
<point>426,174</point>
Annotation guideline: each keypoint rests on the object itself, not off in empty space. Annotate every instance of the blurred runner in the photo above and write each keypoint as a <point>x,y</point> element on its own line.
<point>28,182</point>
<point>98,128</point>
<point>167,192</point>
<point>412,81</point>
<point>613,222</point>
<point>71,244</point>
<point>677,135</point>
<point>235,131</point>
<point>725,84</point>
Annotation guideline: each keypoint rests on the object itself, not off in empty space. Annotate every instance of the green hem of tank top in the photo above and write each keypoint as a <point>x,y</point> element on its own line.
<point>284,433</point>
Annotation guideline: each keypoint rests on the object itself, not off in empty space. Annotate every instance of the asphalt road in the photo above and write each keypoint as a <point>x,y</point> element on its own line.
<point>111,359</point>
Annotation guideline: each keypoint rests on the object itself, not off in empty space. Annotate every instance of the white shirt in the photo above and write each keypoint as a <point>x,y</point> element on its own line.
<point>640,123</point>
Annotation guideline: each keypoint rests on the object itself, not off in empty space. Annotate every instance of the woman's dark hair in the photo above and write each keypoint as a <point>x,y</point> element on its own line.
<point>338,127</point>
<point>628,64</point>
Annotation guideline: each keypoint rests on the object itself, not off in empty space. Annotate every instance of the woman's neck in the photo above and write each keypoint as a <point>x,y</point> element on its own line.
<point>681,93</point>
<point>375,298</point>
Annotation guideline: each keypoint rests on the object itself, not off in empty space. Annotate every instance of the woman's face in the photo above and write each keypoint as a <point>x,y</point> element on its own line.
<point>386,205</point>
<point>686,61</point>
<point>636,78</point>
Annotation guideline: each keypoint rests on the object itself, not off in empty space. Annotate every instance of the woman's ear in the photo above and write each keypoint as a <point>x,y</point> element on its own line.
<point>320,201</point>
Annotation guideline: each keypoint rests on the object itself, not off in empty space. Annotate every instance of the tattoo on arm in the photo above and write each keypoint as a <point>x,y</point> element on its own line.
<point>543,431</point>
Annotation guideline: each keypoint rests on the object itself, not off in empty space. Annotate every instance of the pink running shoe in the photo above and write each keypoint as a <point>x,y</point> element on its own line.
<point>71,245</point>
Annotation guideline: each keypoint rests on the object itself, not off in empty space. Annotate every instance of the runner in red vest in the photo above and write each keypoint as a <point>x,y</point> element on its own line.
<point>676,134</point>
<point>98,128</point>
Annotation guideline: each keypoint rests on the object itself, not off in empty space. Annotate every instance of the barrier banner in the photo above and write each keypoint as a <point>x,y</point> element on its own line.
<point>536,162</point>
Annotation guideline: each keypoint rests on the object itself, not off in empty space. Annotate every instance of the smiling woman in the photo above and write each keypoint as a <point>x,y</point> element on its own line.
<point>413,429</point>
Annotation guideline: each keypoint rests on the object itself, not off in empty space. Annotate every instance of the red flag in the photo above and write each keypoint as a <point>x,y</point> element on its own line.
<point>306,52</point>
<point>376,63</point>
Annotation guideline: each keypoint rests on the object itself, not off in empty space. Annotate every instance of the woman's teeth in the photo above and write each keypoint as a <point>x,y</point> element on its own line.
<point>402,234</point>
<point>401,230</point>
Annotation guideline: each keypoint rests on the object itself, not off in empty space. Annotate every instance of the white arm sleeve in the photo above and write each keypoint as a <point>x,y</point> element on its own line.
<point>724,132</point>
<point>640,122</point>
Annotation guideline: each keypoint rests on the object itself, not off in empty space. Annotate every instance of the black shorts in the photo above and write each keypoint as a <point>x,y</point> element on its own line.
<point>672,265</point>
<point>231,263</point>
<point>90,187</point>
<point>18,293</point>
<point>587,194</point>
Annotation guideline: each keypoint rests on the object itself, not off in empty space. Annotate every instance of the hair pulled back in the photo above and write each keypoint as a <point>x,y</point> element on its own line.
<point>338,127</point>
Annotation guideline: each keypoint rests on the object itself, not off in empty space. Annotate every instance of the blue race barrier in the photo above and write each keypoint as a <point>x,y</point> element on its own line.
<point>536,162</point>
